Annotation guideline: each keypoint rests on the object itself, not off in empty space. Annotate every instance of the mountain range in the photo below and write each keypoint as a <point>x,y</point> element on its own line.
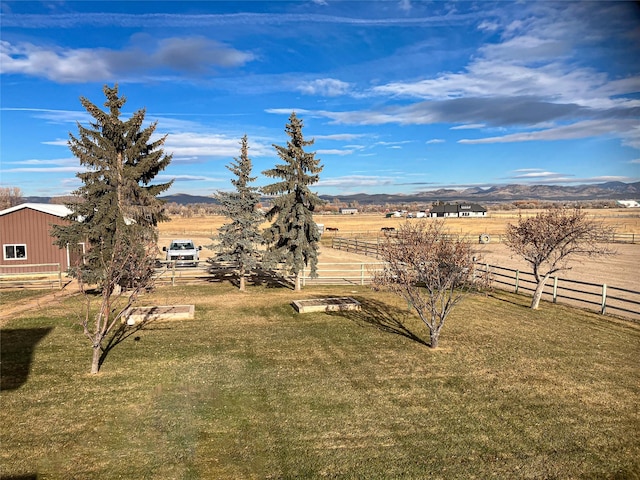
<point>494,194</point>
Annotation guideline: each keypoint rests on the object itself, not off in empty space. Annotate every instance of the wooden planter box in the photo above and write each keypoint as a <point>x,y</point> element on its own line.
<point>335,304</point>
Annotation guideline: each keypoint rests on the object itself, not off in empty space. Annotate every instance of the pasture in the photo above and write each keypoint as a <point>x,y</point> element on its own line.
<point>619,270</point>
<point>251,389</point>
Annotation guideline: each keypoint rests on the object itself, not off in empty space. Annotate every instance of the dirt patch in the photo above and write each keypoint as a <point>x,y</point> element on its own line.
<point>620,270</point>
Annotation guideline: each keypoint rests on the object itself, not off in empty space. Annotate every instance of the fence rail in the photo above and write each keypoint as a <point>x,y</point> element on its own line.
<point>594,296</point>
<point>600,297</point>
<point>359,240</point>
<point>31,276</point>
<point>168,273</point>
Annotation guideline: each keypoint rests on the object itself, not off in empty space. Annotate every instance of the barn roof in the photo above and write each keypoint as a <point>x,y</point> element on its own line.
<point>51,209</point>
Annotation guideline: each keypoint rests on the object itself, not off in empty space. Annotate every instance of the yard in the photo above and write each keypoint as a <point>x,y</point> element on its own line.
<point>251,389</point>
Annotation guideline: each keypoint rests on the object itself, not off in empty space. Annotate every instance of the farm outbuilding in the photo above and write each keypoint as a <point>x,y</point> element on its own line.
<point>458,210</point>
<point>25,235</point>
<point>348,211</point>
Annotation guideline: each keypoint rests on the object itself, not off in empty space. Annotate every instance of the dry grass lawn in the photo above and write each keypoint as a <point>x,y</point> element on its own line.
<point>250,389</point>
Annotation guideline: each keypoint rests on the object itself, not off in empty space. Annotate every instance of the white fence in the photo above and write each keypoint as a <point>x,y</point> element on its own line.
<point>600,297</point>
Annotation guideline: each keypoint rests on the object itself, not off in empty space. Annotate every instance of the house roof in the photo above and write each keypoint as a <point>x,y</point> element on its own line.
<point>449,208</point>
<point>51,209</point>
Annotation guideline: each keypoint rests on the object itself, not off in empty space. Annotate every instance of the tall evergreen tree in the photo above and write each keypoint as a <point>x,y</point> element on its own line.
<point>293,236</point>
<point>116,196</point>
<point>238,241</point>
<point>116,208</point>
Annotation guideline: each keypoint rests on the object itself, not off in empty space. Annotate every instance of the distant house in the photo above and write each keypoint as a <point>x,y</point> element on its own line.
<point>348,211</point>
<point>458,210</point>
<point>25,235</point>
<point>629,203</point>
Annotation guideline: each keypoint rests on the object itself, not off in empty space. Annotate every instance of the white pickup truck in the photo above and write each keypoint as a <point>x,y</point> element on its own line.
<point>183,252</point>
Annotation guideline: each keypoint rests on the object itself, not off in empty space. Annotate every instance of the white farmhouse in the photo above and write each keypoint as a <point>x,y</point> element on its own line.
<point>458,210</point>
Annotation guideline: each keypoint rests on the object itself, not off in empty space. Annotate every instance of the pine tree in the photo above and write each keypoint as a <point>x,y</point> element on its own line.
<point>116,209</point>
<point>293,236</point>
<point>238,240</point>
<point>116,197</point>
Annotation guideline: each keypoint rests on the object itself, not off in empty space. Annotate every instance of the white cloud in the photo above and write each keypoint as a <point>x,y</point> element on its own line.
<point>43,169</point>
<point>587,128</point>
<point>53,165</point>
<point>470,126</point>
<point>287,111</point>
<point>189,144</point>
<point>435,140</point>
<point>54,116</point>
<point>488,26</point>
<point>531,173</point>
<point>188,55</point>
<point>335,151</point>
<point>340,136</point>
<point>405,5</point>
<point>162,178</point>
<point>327,87</point>
<point>59,142</point>
<point>355,181</point>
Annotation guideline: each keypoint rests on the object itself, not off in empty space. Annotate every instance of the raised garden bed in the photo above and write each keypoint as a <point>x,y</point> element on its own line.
<point>159,312</point>
<point>326,304</point>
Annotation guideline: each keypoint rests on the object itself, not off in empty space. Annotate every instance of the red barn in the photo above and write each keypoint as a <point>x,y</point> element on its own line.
<point>25,237</point>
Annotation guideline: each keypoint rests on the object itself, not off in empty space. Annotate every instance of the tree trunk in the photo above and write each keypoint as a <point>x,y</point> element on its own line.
<point>95,363</point>
<point>537,295</point>
<point>242,283</point>
<point>298,286</point>
<point>434,334</point>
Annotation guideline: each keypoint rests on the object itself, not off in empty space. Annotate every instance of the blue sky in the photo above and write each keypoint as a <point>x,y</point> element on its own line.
<point>400,96</point>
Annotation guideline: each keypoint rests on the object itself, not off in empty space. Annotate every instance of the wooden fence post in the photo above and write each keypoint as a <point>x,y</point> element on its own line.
<point>517,280</point>
<point>603,308</point>
<point>362,274</point>
<point>173,274</point>
<point>555,289</point>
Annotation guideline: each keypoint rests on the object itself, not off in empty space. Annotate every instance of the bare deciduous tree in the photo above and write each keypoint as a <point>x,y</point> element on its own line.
<point>10,197</point>
<point>429,269</point>
<point>551,238</point>
<point>104,326</point>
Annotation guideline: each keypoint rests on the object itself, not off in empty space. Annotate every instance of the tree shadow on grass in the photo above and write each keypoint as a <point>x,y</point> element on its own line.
<point>379,315</point>
<point>16,355</point>
<point>219,272</point>
<point>124,331</point>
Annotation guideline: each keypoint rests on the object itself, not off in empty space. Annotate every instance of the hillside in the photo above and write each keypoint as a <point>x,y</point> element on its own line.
<point>494,194</point>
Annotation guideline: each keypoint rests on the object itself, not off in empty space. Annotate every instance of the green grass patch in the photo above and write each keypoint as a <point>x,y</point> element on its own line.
<point>9,297</point>
<point>251,389</point>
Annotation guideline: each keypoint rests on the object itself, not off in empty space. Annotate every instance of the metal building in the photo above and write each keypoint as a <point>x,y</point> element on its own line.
<point>25,237</point>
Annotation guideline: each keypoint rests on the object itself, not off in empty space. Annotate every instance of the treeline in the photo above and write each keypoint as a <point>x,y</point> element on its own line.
<point>206,209</point>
